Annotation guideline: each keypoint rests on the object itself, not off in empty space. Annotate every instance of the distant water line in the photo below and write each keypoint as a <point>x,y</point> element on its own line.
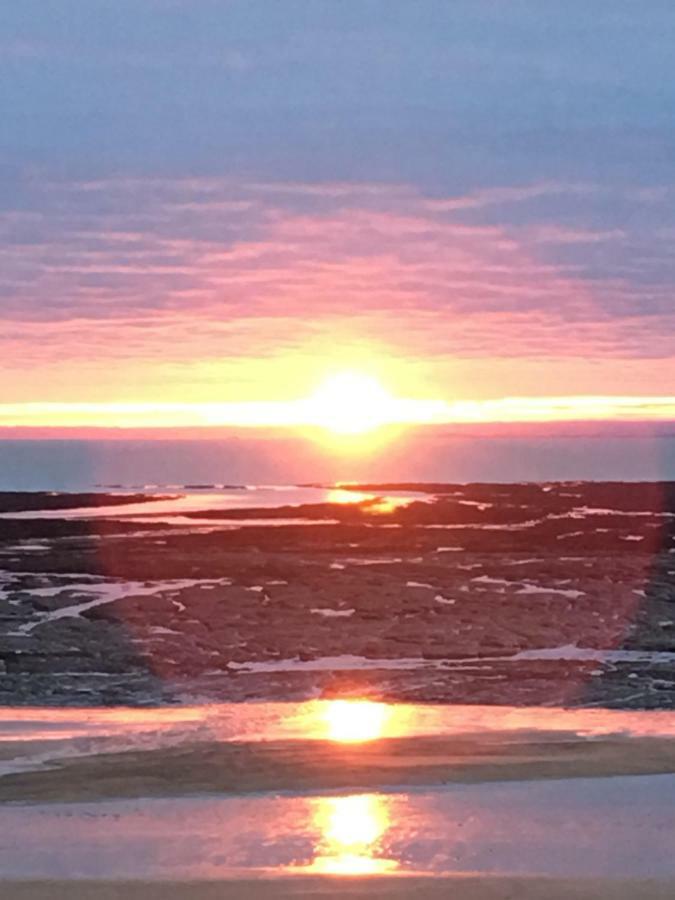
<point>81,465</point>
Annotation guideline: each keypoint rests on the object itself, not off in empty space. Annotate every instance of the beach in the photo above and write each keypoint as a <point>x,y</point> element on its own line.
<point>338,690</point>
<point>337,450</point>
<point>554,594</point>
<point>465,888</point>
<point>235,767</point>
<point>515,835</point>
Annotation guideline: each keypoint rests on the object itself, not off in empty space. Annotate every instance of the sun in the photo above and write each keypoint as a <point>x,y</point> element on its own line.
<point>350,406</point>
<point>351,403</point>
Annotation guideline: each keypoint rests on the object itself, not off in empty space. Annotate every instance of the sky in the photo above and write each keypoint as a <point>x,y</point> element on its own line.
<point>226,201</point>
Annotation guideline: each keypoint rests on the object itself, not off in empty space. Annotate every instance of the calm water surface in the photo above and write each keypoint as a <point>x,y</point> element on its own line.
<point>45,733</point>
<point>620,827</point>
<point>418,456</point>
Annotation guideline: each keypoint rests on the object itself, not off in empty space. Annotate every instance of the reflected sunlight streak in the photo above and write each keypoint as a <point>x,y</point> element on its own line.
<point>345,497</point>
<point>371,502</point>
<point>351,829</point>
<point>355,721</point>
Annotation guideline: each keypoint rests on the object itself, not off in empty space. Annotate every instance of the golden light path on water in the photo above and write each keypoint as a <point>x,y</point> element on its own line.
<point>349,832</point>
<point>318,720</point>
<point>372,502</point>
<point>350,828</point>
<point>361,832</point>
<point>352,721</point>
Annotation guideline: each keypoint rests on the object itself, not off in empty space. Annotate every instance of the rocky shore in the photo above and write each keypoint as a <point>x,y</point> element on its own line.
<point>554,594</point>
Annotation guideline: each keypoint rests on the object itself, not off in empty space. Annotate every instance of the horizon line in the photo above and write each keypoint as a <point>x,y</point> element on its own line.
<point>562,428</point>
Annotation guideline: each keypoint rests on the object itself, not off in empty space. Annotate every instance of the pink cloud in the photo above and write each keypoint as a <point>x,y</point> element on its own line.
<point>172,271</point>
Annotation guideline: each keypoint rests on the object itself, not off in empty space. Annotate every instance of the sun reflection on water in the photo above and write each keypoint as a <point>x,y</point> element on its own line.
<point>371,503</point>
<point>347,497</point>
<point>347,720</point>
<point>355,721</point>
<point>350,833</point>
<point>349,830</point>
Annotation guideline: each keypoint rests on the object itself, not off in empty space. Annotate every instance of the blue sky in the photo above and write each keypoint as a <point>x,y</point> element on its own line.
<point>386,89</point>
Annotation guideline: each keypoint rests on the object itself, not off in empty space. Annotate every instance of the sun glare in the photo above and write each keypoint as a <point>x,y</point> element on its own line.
<point>351,830</point>
<point>350,403</point>
<point>355,721</point>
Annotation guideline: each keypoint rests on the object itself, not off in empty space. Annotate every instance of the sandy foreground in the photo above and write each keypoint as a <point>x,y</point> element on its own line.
<point>527,796</point>
<point>533,800</point>
<point>459,888</point>
<point>244,768</point>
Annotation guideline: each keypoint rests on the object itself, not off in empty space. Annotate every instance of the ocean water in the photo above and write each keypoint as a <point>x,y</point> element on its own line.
<point>521,828</point>
<point>76,465</point>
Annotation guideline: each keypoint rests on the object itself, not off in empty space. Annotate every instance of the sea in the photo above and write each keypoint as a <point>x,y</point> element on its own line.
<point>425,455</point>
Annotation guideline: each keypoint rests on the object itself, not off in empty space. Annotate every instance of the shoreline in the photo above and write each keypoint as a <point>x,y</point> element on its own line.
<point>331,888</point>
<point>239,768</point>
<point>523,830</point>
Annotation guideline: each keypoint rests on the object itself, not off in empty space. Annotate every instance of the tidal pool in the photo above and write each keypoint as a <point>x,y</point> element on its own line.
<point>608,827</point>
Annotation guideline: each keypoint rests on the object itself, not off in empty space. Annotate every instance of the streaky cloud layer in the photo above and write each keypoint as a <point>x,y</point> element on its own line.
<point>207,202</point>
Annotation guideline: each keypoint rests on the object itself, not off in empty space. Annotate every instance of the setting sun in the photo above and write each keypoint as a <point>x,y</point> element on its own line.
<point>350,403</point>
<point>337,449</point>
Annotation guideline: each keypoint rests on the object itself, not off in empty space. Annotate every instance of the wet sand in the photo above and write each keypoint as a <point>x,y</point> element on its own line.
<point>521,595</point>
<point>326,888</point>
<point>244,768</point>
